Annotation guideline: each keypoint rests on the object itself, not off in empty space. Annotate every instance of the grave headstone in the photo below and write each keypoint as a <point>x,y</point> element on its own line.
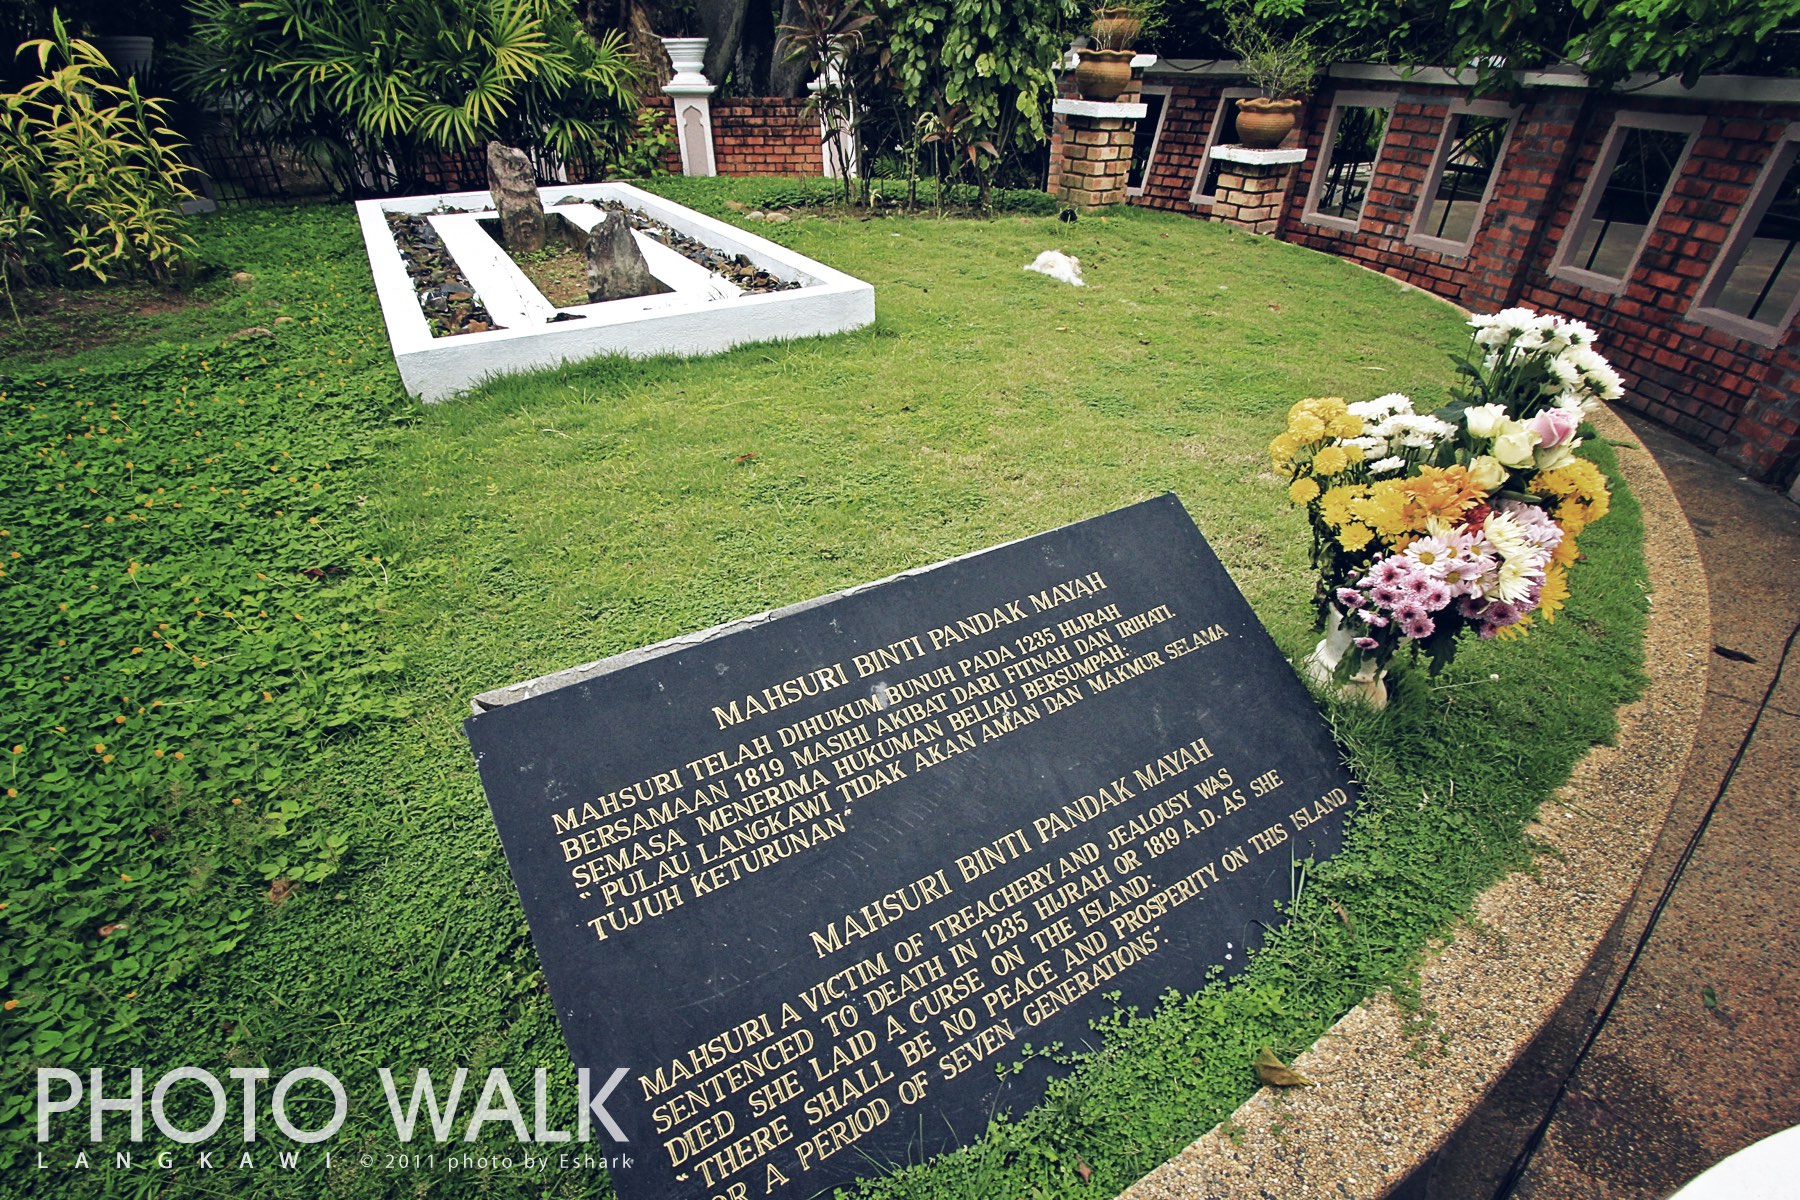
<point>810,878</point>
<point>512,181</point>
<point>616,269</point>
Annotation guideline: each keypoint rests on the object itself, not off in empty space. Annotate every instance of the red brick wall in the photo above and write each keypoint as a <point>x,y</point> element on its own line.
<point>766,137</point>
<point>758,136</point>
<point>1737,397</point>
<point>1486,276</point>
<point>1187,119</point>
<point>1059,128</point>
<point>1717,389</point>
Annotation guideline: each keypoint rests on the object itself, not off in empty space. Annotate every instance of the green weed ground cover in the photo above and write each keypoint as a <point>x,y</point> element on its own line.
<point>345,569</point>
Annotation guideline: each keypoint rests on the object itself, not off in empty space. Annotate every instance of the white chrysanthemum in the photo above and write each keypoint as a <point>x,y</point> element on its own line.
<point>1381,406</point>
<point>1386,466</point>
<point>1513,580</point>
<point>1505,535</point>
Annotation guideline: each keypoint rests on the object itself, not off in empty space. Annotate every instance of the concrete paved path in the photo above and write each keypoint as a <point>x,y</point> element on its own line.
<point>1683,1046</point>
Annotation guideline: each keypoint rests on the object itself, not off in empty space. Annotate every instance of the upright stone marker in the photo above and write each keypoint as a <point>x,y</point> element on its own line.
<point>811,877</point>
<point>512,181</point>
<point>616,269</point>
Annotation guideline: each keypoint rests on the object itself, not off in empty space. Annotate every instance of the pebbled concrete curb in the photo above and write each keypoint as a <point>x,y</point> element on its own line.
<point>1380,1107</point>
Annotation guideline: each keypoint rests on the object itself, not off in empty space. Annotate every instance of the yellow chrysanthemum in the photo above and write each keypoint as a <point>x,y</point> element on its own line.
<point>1565,553</point>
<point>1353,453</point>
<point>1445,492</point>
<point>1303,490</point>
<point>1330,461</point>
<point>1282,449</point>
<point>1508,632</point>
<point>1555,592</point>
<point>1306,427</point>
<point>1355,537</point>
<point>1326,408</point>
<point>1386,509</point>
<point>1335,507</point>
<point>1345,426</point>
<point>1577,494</point>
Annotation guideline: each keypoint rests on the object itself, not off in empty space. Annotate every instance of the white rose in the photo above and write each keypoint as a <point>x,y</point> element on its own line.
<point>1557,456</point>
<point>1512,445</point>
<point>1484,420</point>
<point>1486,473</point>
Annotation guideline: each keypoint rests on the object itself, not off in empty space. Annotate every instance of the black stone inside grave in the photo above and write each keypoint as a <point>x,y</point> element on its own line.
<point>812,878</point>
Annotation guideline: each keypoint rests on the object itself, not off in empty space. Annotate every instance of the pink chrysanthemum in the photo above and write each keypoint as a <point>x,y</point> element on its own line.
<point>1435,595</point>
<point>1394,571</point>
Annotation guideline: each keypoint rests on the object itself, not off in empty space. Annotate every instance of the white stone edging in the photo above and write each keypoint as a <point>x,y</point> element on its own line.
<point>1258,158</point>
<point>700,316</point>
<point>1100,108</point>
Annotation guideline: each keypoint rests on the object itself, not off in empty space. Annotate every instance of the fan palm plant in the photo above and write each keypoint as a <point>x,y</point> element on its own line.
<point>360,84</point>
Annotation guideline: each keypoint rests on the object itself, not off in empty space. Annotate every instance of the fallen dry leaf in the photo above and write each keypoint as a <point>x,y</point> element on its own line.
<point>1275,1073</point>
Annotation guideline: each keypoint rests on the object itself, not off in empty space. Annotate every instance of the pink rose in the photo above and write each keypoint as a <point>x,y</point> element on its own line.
<point>1554,426</point>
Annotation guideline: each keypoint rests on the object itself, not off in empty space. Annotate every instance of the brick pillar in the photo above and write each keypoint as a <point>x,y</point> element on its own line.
<point>1252,186</point>
<point>1093,153</point>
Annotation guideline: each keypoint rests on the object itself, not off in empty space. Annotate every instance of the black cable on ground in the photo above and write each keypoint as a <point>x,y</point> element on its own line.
<point>1522,1162</point>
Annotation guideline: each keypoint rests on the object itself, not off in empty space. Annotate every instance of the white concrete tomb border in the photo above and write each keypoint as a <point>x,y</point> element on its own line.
<point>701,314</point>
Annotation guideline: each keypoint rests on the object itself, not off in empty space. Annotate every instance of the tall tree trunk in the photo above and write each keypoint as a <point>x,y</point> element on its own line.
<point>756,52</point>
<point>642,24</point>
<point>723,22</point>
<point>788,77</point>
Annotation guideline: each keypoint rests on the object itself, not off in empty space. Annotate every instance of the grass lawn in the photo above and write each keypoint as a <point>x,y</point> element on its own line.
<point>256,587</point>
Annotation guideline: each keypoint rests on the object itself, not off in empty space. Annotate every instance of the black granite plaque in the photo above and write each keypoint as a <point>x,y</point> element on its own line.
<point>811,879</point>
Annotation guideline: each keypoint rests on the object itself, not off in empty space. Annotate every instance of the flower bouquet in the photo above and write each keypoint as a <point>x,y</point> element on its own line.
<point>1430,525</point>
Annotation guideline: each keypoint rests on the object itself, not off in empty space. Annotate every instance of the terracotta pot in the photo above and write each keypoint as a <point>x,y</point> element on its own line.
<point>1103,74</point>
<point>1263,124</point>
<point>1114,30</point>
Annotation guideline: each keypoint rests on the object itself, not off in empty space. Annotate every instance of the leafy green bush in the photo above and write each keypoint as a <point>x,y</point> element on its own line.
<point>979,74</point>
<point>90,177</point>
<point>651,139</point>
<point>369,87</point>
